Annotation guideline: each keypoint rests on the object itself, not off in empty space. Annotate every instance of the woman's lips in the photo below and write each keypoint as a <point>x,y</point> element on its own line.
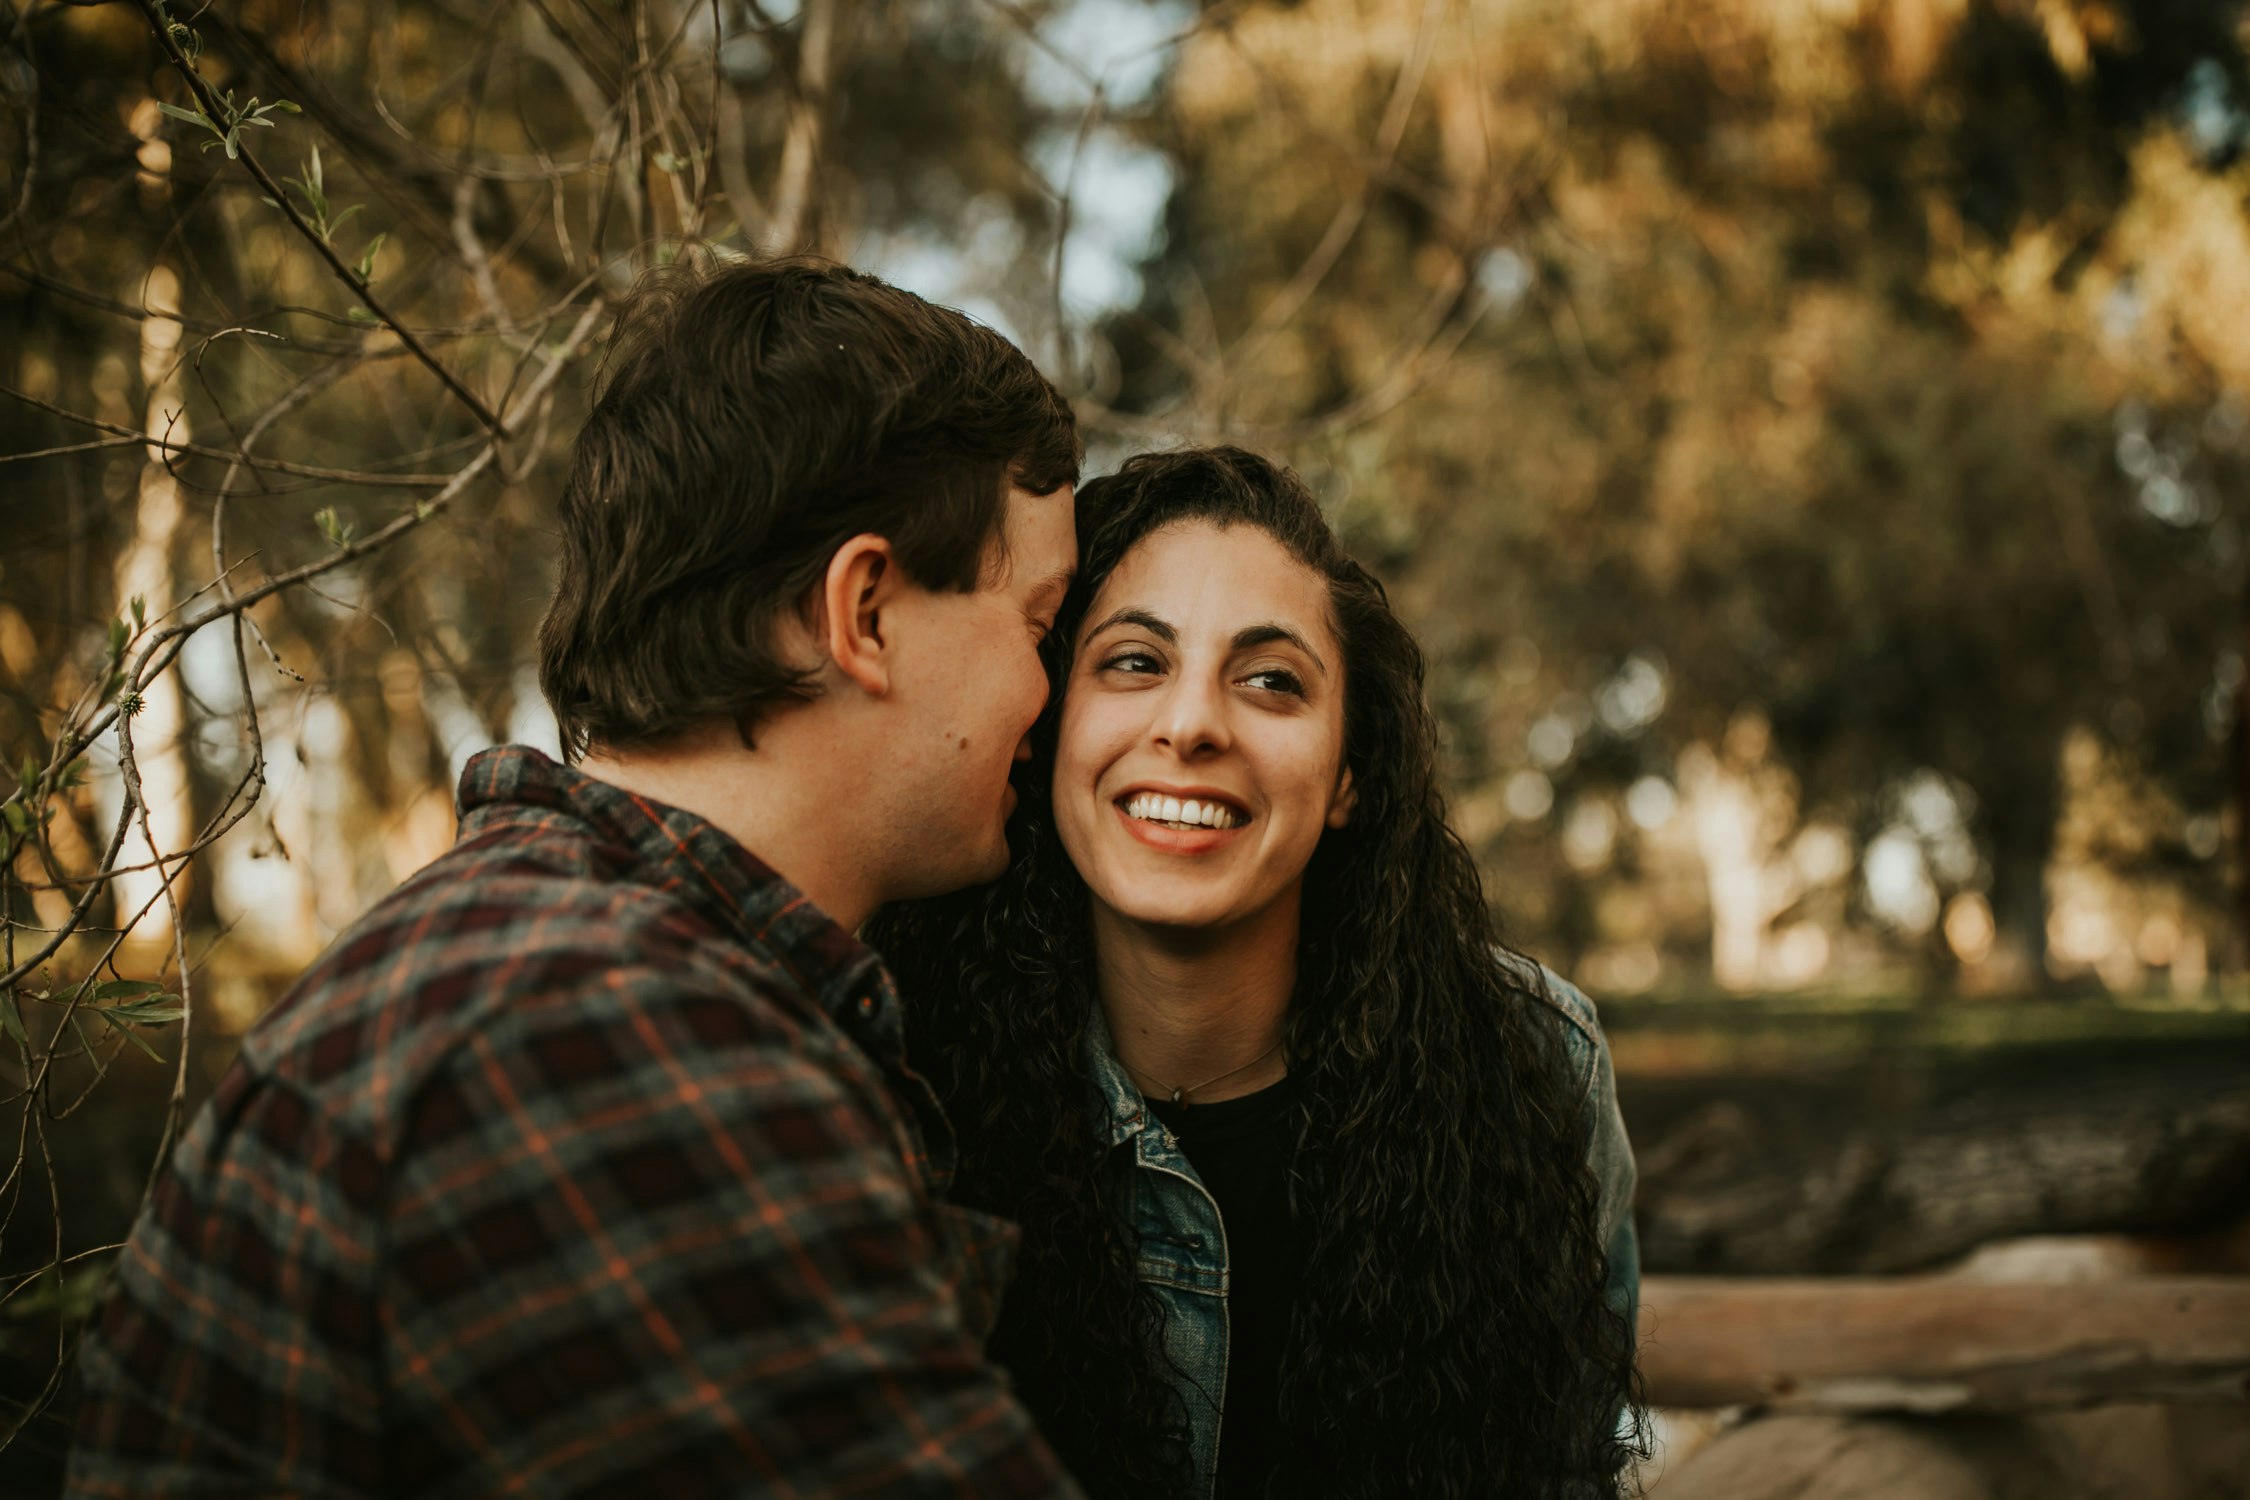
<point>1169,840</point>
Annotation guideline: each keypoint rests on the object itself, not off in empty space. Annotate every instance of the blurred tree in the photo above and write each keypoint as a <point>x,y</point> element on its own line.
<point>1874,370</point>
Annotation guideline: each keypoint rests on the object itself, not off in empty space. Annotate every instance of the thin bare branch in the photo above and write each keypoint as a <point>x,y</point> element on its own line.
<point>166,446</point>
<point>214,109</point>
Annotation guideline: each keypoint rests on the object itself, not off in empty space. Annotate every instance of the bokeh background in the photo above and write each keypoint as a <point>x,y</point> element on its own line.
<point>1811,438</point>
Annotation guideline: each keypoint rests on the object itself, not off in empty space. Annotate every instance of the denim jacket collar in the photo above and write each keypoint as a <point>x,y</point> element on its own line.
<point>1122,1104</point>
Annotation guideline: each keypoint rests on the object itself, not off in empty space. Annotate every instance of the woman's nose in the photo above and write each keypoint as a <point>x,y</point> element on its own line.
<point>1191,720</point>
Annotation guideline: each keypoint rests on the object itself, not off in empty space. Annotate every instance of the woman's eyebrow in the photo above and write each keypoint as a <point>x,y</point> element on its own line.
<point>1141,617</point>
<point>1251,637</point>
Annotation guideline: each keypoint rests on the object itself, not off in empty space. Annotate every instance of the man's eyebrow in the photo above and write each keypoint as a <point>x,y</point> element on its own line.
<point>1056,585</point>
<point>1253,636</point>
<point>1145,620</point>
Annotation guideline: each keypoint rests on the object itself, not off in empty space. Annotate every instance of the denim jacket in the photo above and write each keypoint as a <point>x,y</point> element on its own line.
<point>1183,1246</point>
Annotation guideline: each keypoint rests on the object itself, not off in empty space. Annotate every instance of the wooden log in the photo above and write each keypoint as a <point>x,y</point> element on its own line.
<point>2141,1452</point>
<point>1836,1458</point>
<point>1903,1157</point>
<point>1932,1345</point>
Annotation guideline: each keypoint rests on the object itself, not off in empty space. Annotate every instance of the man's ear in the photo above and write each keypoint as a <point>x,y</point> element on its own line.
<point>1347,798</point>
<point>862,580</point>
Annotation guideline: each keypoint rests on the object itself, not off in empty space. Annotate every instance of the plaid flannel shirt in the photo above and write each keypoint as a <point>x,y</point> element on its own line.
<point>586,1164</point>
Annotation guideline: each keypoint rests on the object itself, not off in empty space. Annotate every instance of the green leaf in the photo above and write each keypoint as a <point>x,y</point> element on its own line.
<point>113,989</point>
<point>75,1295</point>
<point>312,170</point>
<point>358,314</point>
<point>192,116</point>
<point>27,776</point>
<point>183,36</point>
<point>154,1010</point>
<point>332,526</point>
<point>11,1020</point>
<point>17,818</point>
<point>345,218</point>
<point>117,638</point>
<point>367,260</point>
<point>128,1033</point>
<point>140,611</point>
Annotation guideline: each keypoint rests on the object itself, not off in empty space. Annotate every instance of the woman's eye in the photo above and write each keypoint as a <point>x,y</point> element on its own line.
<point>1277,680</point>
<point>1134,662</point>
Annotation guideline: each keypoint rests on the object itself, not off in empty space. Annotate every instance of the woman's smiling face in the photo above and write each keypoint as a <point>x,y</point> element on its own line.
<point>1201,750</point>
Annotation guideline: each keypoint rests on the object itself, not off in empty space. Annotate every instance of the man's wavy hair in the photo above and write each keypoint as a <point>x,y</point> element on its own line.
<point>1451,1336</point>
<point>752,419</point>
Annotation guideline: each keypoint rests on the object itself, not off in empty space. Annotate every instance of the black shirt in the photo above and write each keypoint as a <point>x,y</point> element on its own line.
<point>1241,1149</point>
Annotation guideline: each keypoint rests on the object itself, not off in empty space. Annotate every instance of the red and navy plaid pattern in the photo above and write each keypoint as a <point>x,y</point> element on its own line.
<point>586,1164</point>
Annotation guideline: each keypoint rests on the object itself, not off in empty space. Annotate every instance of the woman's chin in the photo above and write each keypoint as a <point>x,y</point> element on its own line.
<point>1170,911</point>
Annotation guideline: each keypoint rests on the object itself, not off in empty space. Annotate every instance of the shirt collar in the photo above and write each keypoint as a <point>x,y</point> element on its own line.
<point>680,852</point>
<point>1122,1104</point>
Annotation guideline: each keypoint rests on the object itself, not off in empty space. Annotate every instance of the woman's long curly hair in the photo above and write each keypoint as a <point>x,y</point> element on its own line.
<point>1450,1337</point>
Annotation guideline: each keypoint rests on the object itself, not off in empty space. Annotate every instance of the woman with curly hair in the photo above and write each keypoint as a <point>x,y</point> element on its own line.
<point>1323,1192</point>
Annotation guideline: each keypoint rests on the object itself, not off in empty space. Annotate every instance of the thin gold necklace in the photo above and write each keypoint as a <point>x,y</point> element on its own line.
<point>1179,1092</point>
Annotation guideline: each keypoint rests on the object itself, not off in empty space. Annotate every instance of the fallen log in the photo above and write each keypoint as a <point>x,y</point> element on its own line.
<point>1902,1155</point>
<point>2145,1452</point>
<point>1931,1345</point>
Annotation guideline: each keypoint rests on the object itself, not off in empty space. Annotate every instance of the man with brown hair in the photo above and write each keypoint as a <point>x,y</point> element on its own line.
<point>588,1162</point>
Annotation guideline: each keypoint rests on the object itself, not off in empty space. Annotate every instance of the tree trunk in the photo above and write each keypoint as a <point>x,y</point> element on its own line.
<point>145,572</point>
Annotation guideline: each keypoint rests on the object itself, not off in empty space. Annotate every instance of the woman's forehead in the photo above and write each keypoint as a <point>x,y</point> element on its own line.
<point>1199,576</point>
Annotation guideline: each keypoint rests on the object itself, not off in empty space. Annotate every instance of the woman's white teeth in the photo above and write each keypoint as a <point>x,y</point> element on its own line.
<point>1153,807</point>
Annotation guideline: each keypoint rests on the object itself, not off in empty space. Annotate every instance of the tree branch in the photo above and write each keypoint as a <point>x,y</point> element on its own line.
<point>215,110</point>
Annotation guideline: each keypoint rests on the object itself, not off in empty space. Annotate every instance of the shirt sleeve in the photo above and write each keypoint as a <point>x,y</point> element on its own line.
<point>1608,1152</point>
<point>652,1243</point>
<point>1610,1156</point>
<point>231,1357</point>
